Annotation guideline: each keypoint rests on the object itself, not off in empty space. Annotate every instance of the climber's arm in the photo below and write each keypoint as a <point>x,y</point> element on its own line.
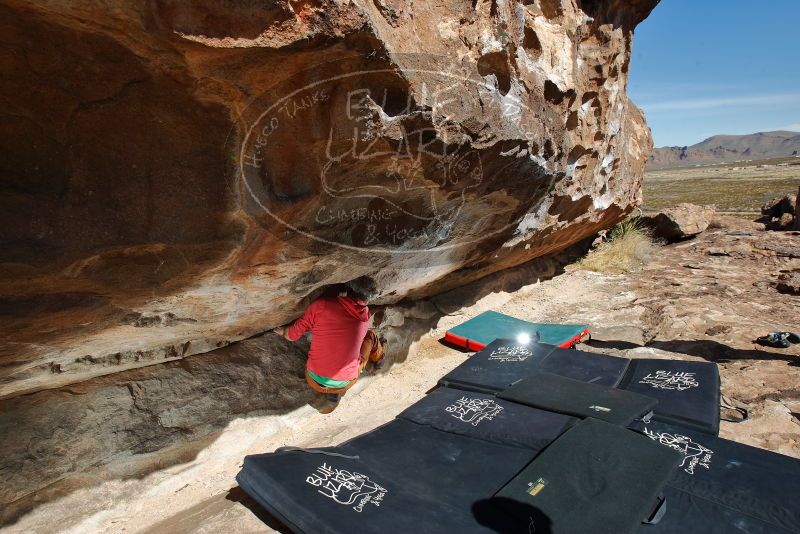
<point>301,325</point>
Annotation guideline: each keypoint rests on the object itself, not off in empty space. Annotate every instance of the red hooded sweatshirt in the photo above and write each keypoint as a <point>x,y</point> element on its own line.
<point>338,326</point>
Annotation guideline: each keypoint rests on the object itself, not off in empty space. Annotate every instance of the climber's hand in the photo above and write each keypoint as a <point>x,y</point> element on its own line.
<point>281,331</point>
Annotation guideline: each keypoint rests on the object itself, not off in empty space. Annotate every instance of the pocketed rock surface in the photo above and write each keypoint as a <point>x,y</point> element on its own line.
<point>179,175</point>
<point>686,303</point>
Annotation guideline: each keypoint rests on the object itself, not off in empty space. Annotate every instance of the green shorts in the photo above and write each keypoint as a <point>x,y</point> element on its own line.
<point>327,382</point>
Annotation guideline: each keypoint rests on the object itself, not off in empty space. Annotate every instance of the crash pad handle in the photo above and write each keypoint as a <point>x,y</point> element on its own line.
<point>318,451</point>
<point>658,511</point>
<point>646,418</point>
<point>728,404</point>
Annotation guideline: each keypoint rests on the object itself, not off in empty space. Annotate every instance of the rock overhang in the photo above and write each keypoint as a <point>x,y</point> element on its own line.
<point>424,145</point>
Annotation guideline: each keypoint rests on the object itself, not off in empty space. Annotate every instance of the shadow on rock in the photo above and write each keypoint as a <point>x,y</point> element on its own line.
<point>238,495</point>
<point>509,516</point>
<point>132,423</point>
<point>129,424</point>
<point>709,350</point>
<point>714,351</point>
<point>613,344</point>
<point>406,322</point>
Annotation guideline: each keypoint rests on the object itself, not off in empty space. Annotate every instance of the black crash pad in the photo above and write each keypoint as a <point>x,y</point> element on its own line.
<point>724,486</point>
<point>487,417</point>
<point>407,478</point>
<point>573,397</point>
<point>690,514</point>
<point>585,366</point>
<point>497,366</point>
<point>597,477</point>
<point>687,392</point>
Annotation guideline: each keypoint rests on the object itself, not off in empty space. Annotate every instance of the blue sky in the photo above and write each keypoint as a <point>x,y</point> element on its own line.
<point>706,67</point>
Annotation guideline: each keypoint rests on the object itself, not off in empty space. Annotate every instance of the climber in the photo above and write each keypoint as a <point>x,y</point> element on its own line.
<point>341,342</point>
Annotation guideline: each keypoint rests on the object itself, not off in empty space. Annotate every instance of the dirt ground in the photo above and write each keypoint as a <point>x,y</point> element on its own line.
<point>703,299</point>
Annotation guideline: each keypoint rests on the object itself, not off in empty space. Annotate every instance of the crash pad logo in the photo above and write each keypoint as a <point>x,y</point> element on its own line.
<point>535,487</point>
<point>346,487</point>
<point>678,381</point>
<point>474,410</point>
<point>510,354</point>
<point>694,454</point>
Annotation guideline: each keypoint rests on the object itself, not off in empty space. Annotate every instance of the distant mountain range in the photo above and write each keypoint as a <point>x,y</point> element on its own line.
<point>726,148</point>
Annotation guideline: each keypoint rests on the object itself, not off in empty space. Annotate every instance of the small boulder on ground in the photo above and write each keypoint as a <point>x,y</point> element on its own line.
<point>778,206</point>
<point>786,221</point>
<point>781,213</point>
<point>681,222</point>
<point>789,283</point>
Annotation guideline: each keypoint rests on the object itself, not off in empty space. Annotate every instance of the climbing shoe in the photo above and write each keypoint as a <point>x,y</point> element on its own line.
<point>780,340</point>
<point>325,403</point>
<point>379,359</point>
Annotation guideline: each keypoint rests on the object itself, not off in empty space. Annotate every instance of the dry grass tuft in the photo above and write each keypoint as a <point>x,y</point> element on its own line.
<point>629,245</point>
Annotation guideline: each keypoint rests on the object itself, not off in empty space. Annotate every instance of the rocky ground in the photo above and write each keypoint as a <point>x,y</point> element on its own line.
<point>703,299</point>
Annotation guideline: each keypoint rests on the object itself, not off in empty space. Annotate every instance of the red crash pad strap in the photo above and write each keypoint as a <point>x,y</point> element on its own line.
<point>463,342</point>
<point>575,340</point>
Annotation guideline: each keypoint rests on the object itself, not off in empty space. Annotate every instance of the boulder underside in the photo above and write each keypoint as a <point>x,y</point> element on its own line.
<point>177,176</point>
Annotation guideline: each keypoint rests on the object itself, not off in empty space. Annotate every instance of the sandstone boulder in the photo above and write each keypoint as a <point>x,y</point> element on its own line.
<point>128,424</point>
<point>780,213</point>
<point>785,221</point>
<point>51,438</point>
<point>180,175</point>
<point>779,205</point>
<point>789,283</point>
<point>681,222</point>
